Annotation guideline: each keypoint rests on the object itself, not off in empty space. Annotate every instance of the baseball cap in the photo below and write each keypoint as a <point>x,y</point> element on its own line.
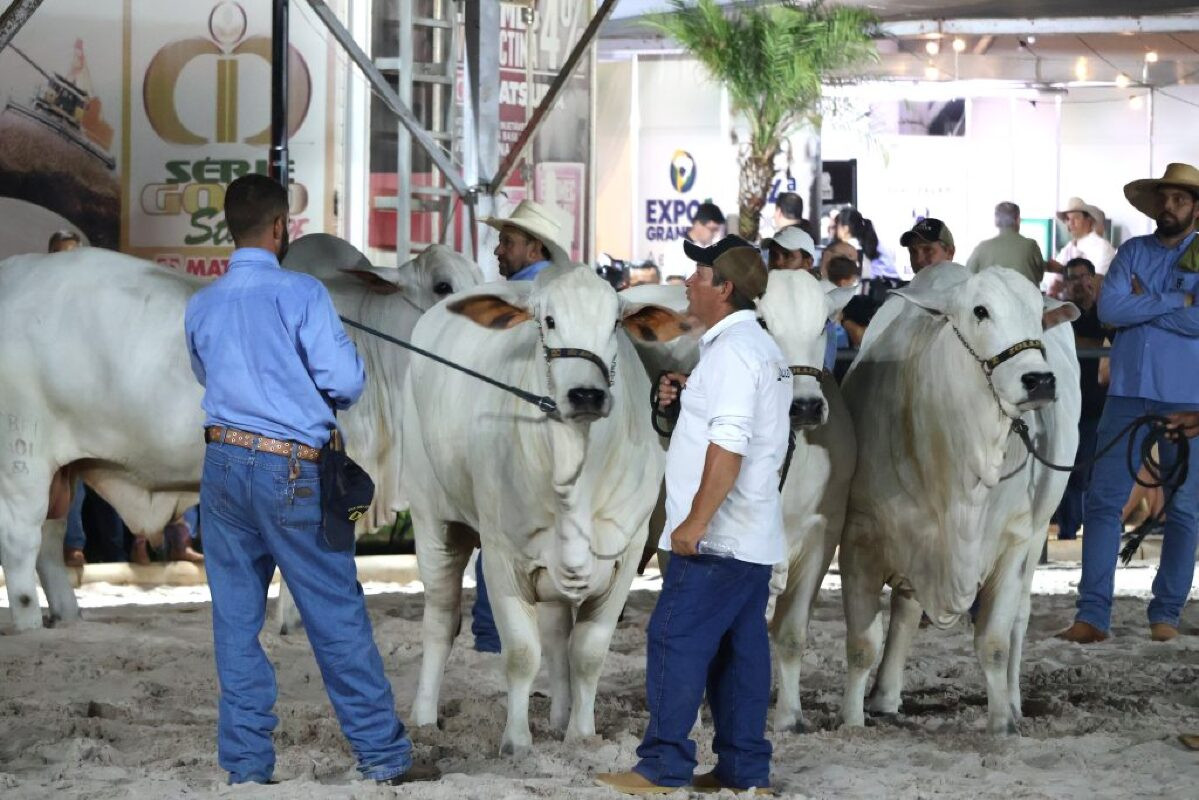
<point>792,238</point>
<point>735,260</point>
<point>927,230</point>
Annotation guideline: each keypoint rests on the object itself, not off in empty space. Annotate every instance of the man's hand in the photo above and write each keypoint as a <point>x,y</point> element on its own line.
<point>668,388</point>
<point>1184,422</point>
<point>685,538</point>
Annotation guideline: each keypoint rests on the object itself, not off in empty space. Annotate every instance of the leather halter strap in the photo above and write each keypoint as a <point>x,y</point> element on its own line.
<point>990,364</point>
<point>575,352</point>
<point>811,372</point>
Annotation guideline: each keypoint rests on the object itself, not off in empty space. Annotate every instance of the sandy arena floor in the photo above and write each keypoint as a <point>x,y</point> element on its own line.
<point>123,705</point>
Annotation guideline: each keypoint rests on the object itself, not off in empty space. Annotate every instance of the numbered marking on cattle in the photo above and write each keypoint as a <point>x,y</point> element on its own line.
<point>19,468</point>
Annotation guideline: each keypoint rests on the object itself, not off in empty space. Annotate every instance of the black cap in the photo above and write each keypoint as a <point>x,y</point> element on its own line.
<point>927,230</point>
<point>708,255</point>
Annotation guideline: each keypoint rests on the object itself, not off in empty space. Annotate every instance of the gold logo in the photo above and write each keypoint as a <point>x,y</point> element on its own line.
<point>228,45</point>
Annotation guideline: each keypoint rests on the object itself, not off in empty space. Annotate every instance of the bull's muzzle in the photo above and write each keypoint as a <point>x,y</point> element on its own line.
<point>1040,386</point>
<point>807,411</point>
<point>586,402</point>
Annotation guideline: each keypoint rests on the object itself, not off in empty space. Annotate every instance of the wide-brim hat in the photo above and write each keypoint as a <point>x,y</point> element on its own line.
<point>1078,204</point>
<point>792,238</point>
<point>1143,193</point>
<point>735,260</point>
<point>547,224</point>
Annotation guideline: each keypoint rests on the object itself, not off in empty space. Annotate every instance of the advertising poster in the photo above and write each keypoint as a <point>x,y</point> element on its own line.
<point>125,120</point>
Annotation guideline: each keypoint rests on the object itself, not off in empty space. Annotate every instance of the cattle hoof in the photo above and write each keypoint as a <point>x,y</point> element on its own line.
<point>511,749</point>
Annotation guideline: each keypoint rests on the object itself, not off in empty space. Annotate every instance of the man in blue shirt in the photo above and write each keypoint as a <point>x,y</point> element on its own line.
<point>1148,296</point>
<point>275,362</point>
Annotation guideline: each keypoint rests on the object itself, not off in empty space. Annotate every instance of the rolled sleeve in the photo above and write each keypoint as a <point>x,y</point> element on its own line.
<point>731,402</point>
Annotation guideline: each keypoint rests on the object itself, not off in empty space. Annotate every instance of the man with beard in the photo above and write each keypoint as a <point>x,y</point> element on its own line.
<point>275,362</point>
<point>1148,296</point>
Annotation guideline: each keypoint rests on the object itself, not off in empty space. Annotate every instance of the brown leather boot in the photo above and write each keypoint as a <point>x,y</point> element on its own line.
<point>1162,632</point>
<point>73,557</point>
<point>1081,633</point>
<point>179,544</point>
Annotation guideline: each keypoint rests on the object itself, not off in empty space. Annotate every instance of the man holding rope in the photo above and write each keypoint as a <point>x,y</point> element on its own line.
<point>1149,296</point>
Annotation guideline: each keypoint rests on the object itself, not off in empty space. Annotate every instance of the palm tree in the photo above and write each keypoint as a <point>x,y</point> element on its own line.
<point>773,60</point>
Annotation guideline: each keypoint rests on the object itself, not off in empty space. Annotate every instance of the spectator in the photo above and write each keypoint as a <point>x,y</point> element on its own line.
<point>1150,300</point>
<point>836,249</point>
<point>788,210</point>
<point>851,227</point>
<point>929,243</point>
<point>705,228</point>
<point>1009,249</point>
<point>532,238</point>
<point>790,248</point>
<point>1088,332</point>
<point>1086,226</point>
<point>646,273</point>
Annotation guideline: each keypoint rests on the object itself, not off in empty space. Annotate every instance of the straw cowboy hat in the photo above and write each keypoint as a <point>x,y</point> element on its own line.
<point>1077,204</point>
<point>547,224</point>
<point>1143,193</point>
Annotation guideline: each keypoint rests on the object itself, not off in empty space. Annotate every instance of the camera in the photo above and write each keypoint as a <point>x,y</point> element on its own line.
<point>614,271</point>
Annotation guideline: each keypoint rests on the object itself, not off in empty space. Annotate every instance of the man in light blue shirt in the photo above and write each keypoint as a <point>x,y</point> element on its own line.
<point>1148,296</point>
<point>275,362</point>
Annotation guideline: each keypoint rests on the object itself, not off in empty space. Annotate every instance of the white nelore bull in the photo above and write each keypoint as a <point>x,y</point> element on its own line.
<point>96,383</point>
<point>945,504</point>
<point>794,309</point>
<point>559,502</point>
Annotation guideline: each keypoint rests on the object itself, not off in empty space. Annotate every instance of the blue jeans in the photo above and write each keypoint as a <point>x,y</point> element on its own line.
<point>1110,485</point>
<point>708,632</point>
<point>254,518</point>
<point>1070,513</point>
<point>75,538</point>
<point>482,621</point>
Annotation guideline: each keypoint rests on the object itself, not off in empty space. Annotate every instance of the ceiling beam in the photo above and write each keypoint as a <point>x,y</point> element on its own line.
<point>1044,26</point>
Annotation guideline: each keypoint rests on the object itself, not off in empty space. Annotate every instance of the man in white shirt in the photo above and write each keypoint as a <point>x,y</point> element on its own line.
<point>1085,223</point>
<point>708,631</point>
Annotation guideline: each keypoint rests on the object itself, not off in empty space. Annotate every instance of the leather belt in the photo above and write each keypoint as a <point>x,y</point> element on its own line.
<point>252,441</point>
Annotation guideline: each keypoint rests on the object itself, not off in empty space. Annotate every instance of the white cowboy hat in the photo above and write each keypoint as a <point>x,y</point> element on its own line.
<point>547,224</point>
<point>1077,204</point>
<point>1143,193</point>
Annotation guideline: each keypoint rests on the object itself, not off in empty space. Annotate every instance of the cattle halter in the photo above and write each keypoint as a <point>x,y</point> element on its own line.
<point>607,370</point>
<point>989,364</point>
<point>812,372</point>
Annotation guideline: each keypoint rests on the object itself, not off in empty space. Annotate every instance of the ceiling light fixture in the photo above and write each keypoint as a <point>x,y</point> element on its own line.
<point>1123,81</point>
<point>931,73</point>
<point>932,47</point>
<point>1151,57</point>
<point>959,45</point>
<point>1135,102</point>
<point>1080,68</point>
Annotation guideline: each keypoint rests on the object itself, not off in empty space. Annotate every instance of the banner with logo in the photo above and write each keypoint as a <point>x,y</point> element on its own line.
<point>198,116</point>
<point>125,121</point>
<point>677,171</point>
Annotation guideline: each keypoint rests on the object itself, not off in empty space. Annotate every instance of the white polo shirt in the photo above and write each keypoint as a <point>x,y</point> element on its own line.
<point>1092,247</point>
<point>738,397</point>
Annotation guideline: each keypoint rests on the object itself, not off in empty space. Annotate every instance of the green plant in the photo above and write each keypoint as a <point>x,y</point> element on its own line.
<point>774,61</point>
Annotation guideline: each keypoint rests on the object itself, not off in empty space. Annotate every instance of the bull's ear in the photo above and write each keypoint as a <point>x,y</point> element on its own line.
<point>373,281</point>
<point>652,323</point>
<point>838,297</point>
<point>490,311</point>
<point>1056,312</point>
<point>930,301</point>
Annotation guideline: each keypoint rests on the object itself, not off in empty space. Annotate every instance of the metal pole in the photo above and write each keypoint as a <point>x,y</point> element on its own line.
<point>481,148</point>
<point>279,57</point>
<point>14,18</point>
<point>385,93</point>
<point>551,95</point>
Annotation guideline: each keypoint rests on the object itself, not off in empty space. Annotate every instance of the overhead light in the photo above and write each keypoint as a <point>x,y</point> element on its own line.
<point>1135,102</point>
<point>959,45</point>
<point>1123,80</point>
<point>1030,39</point>
<point>931,73</point>
<point>932,47</point>
<point>1151,57</point>
<point>1080,68</point>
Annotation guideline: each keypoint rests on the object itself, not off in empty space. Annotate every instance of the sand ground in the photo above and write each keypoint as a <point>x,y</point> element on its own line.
<point>123,705</point>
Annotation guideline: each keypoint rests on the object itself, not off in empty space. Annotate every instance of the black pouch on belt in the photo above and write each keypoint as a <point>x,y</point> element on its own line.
<point>346,494</point>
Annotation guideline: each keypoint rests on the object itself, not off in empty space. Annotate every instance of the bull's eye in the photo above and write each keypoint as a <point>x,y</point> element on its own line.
<point>617,324</point>
<point>981,313</point>
<point>443,288</point>
<point>549,322</point>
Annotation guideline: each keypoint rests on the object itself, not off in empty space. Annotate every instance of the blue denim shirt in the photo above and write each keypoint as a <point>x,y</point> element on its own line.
<point>529,272</point>
<point>270,351</point>
<point>1156,351</point>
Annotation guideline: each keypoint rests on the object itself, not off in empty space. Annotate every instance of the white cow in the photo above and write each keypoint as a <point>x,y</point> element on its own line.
<point>794,309</point>
<point>559,502</point>
<point>95,383</point>
<point>945,505</point>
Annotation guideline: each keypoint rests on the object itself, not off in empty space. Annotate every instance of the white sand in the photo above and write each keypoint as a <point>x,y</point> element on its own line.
<point>124,705</point>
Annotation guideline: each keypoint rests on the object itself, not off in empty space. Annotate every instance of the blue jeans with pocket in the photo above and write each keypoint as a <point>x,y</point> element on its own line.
<point>708,633</point>
<point>1111,482</point>
<point>256,517</point>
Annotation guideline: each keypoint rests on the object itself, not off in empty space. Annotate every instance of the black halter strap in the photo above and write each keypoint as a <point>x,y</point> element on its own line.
<point>575,352</point>
<point>990,364</point>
